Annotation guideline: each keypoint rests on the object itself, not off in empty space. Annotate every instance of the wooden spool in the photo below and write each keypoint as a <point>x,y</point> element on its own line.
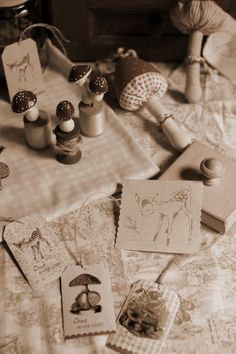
<point>38,132</point>
<point>92,119</point>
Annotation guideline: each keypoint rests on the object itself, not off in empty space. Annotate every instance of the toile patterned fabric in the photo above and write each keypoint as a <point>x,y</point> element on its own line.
<point>31,322</point>
<point>137,92</point>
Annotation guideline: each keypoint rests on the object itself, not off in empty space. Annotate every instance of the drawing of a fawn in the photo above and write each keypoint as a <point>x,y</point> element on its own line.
<point>33,242</point>
<point>22,66</point>
<point>168,210</point>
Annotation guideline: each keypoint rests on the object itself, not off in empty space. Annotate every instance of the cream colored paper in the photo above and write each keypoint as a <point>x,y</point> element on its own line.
<point>145,319</point>
<point>220,52</point>
<point>37,250</point>
<point>87,301</point>
<point>160,216</point>
<point>22,67</point>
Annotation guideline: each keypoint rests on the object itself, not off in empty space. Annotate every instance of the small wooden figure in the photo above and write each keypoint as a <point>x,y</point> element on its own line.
<point>67,134</point>
<point>199,162</point>
<point>79,75</point>
<point>36,122</point>
<point>92,116</point>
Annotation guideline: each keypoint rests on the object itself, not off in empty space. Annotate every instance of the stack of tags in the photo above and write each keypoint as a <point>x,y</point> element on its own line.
<point>160,216</point>
<point>145,319</point>
<point>40,255</point>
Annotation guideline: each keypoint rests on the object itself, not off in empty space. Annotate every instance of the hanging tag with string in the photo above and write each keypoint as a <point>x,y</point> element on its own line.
<point>86,295</point>
<point>21,62</point>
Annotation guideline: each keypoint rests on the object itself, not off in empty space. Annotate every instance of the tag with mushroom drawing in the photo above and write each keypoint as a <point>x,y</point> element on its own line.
<point>39,253</point>
<point>145,319</point>
<point>87,301</point>
<point>22,67</point>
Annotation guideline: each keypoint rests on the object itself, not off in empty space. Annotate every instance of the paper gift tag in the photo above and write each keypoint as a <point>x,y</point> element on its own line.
<point>40,255</point>
<point>160,216</point>
<point>145,319</point>
<point>22,67</point>
<point>87,301</point>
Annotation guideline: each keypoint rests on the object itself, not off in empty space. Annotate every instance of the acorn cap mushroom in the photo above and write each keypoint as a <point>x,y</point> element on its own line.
<point>98,84</point>
<point>23,101</point>
<point>84,279</point>
<point>77,72</point>
<point>135,81</point>
<point>65,110</point>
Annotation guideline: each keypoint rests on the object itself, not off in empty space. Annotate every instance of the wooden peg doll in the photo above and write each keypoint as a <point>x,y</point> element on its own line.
<point>79,75</point>
<point>67,134</point>
<point>36,122</point>
<point>92,115</point>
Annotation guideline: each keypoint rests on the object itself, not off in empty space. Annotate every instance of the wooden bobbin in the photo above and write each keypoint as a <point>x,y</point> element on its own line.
<point>92,119</point>
<point>212,170</point>
<point>62,137</point>
<point>38,132</point>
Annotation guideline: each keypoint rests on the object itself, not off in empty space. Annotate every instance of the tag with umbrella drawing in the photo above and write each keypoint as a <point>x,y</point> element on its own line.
<point>87,301</point>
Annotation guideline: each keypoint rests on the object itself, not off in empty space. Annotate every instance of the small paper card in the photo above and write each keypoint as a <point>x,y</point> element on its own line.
<point>145,319</point>
<point>37,250</point>
<point>87,301</point>
<point>160,216</point>
<point>22,67</point>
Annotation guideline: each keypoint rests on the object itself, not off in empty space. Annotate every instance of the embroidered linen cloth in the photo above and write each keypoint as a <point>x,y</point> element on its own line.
<point>39,184</point>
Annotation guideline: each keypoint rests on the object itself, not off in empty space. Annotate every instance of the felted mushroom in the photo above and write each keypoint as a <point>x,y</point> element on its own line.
<point>98,86</point>
<point>65,112</point>
<point>24,102</point>
<point>86,299</point>
<point>79,75</point>
<point>137,84</point>
<point>196,18</point>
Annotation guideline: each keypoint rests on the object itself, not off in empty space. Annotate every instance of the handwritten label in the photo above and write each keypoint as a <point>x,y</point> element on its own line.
<point>39,253</point>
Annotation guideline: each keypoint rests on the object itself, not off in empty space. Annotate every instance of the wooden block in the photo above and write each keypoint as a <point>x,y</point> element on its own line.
<point>219,201</point>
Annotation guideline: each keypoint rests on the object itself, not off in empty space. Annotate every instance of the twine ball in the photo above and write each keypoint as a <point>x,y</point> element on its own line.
<point>202,15</point>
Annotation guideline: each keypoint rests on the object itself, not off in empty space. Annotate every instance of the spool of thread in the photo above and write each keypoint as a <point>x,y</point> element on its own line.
<point>92,119</point>
<point>67,147</point>
<point>38,132</point>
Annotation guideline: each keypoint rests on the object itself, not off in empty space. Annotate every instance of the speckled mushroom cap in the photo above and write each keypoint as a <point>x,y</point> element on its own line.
<point>23,101</point>
<point>98,84</point>
<point>84,279</point>
<point>65,110</point>
<point>77,72</point>
<point>135,81</point>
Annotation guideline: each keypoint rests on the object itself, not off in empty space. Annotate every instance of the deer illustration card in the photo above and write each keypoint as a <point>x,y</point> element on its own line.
<point>87,301</point>
<point>160,216</point>
<point>22,67</point>
<point>38,251</point>
<point>145,319</point>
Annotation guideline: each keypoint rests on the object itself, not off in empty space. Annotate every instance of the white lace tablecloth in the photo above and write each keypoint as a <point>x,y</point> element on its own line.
<point>31,322</point>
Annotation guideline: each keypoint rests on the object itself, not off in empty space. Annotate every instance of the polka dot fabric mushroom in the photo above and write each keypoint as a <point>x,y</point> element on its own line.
<point>139,84</point>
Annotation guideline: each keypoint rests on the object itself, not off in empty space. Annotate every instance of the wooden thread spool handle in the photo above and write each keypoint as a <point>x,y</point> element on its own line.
<point>193,91</point>
<point>176,136</point>
<point>212,170</point>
